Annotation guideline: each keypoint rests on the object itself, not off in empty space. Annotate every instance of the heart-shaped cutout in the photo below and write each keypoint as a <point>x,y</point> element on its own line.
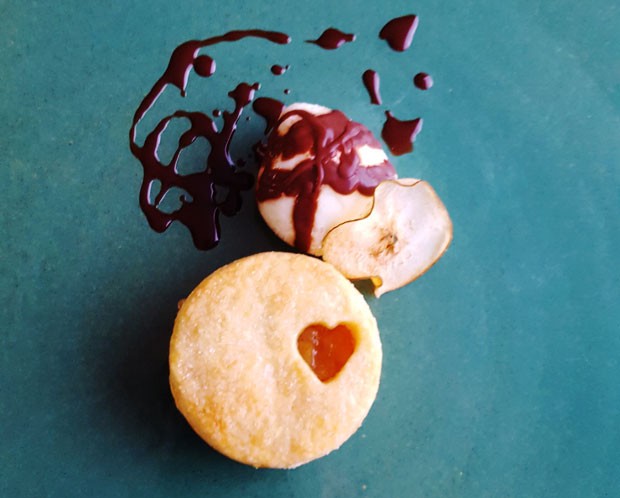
<point>326,350</point>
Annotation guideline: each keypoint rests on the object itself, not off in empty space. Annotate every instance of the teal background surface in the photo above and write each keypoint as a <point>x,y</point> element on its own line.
<point>501,364</point>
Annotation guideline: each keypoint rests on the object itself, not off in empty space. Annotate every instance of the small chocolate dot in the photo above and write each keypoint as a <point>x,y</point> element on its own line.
<point>423,81</point>
<point>204,66</point>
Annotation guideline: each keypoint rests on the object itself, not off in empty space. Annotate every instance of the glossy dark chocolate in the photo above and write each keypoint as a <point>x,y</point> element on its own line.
<point>399,32</point>
<point>332,141</point>
<point>423,81</point>
<point>400,135</point>
<point>279,70</point>
<point>332,38</point>
<point>269,109</point>
<point>371,82</point>
<point>199,209</point>
<point>204,66</point>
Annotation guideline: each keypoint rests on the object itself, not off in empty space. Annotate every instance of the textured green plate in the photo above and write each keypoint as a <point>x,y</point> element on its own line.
<point>502,363</point>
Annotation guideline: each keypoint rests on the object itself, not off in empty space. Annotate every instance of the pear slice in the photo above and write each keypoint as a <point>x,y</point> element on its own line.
<point>406,232</point>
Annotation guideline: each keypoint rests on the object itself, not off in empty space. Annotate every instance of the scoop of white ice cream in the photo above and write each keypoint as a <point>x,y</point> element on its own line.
<point>319,169</point>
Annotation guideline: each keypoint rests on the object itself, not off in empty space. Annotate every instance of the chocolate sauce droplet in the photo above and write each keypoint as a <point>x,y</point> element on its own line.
<point>279,70</point>
<point>423,81</point>
<point>204,66</point>
<point>399,32</point>
<point>331,141</point>
<point>371,82</point>
<point>199,209</point>
<point>400,135</point>
<point>332,38</point>
<point>269,109</point>
<point>217,113</point>
<point>287,91</point>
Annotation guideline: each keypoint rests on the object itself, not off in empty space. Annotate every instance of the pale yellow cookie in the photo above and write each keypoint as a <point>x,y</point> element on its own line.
<point>236,367</point>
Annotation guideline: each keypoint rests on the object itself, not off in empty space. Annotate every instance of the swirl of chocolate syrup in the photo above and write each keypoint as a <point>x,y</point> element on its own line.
<point>332,141</point>
<point>199,210</point>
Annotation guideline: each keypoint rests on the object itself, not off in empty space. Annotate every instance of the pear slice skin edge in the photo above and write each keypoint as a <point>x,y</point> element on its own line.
<point>407,230</point>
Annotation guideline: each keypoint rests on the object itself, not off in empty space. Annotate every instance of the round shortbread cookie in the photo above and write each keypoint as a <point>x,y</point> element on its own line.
<point>237,373</point>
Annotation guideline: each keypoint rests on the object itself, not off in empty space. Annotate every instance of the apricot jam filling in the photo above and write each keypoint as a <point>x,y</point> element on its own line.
<point>326,350</point>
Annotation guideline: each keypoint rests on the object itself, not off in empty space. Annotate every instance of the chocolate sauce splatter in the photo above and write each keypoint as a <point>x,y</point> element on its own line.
<point>423,81</point>
<point>199,209</point>
<point>371,82</point>
<point>270,109</point>
<point>400,135</point>
<point>399,32</point>
<point>218,188</point>
<point>332,38</point>
<point>279,70</point>
<point>287,91</point>
<point>332,140</point>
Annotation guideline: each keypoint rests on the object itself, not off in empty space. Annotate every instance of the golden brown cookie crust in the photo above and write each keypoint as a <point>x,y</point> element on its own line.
<point>236,373</point>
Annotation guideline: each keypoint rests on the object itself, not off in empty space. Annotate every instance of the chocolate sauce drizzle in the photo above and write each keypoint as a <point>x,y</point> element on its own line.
<point>332,38</point>
<point>371,82</point>
<point>399,32</point>
<point>423,81</point>
<point>199,209</point>
<point>324,136</point>
<point>400,135</point>
<point>331,139</point>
